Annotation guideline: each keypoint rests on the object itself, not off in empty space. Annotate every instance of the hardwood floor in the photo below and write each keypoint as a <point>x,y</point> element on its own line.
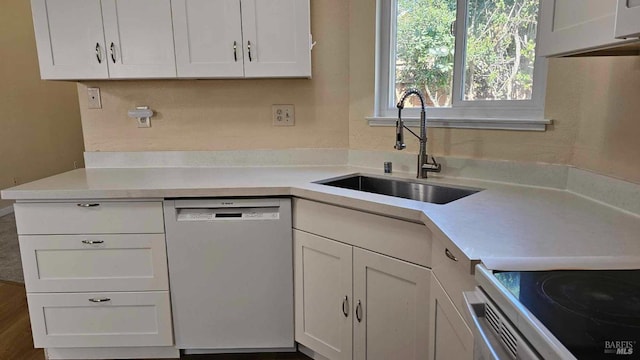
<point>15,329</point>
<point>15,332</point>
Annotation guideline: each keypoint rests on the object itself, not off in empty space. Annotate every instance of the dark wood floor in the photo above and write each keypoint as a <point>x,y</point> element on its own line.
<point>15,332</point>
<point>15,329</point>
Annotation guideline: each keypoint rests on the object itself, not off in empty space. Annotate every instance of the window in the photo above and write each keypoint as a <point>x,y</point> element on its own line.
<point>474,60</point>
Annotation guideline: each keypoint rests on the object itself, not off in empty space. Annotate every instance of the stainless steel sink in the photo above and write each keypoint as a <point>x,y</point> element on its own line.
<point>430,193</point>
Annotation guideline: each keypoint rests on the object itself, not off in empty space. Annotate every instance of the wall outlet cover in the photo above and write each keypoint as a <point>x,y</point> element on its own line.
<point>283,115</point>
<point>94,101</point>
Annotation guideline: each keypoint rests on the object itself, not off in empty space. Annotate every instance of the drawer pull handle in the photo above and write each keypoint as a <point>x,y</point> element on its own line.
<point>359,311</point>
<point>98,53</point>
<point>92,242</point>
<point>99,300</point>
<point>112,49</point>
<point>235,51</point>
<point>450,255</point>
<point>88,205</point>
<point>345,306</point>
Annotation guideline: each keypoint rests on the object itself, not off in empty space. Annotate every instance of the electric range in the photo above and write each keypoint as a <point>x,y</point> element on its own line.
<point>560,314</point>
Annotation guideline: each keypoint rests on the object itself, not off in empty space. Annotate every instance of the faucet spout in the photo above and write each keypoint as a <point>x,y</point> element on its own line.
<point>424,165</point>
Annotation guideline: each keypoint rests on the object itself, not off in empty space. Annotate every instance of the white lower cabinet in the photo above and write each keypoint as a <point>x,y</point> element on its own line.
<point>121,262</point>
<point>391,312</point>
<point>100,319</point>
<point>323,295</point>
<point>96,278</point>
<point>380,312</point>
<point>450,337</point>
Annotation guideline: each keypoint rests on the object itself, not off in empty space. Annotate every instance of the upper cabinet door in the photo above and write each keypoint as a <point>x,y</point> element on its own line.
<point>628,19</point>
<point>70,39</point>
<point>572,26</point>
<point>139,38</point>
<point>276,36</point>
<point>208,38</point>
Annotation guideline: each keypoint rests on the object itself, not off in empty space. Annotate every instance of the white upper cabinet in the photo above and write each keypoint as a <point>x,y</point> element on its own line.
<point>208,38</point>
<point>628,19</point>
<point>578,26</point>
<point>276,38</point>
<point>70,39</point>
<point>139,37</point>
<point>93,39</point>
<point>242,38</point>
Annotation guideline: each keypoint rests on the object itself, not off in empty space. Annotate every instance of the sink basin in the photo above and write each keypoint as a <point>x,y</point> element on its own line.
<point>436,194</point>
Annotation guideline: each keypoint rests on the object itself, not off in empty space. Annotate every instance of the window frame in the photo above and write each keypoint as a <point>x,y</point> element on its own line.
<point>482,114</point>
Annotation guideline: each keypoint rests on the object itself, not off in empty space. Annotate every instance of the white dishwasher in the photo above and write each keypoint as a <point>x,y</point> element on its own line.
<point>231,274</point>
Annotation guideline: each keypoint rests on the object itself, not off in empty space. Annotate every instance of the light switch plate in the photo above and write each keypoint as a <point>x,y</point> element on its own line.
<point>283,115</point>
<point>94,101</point>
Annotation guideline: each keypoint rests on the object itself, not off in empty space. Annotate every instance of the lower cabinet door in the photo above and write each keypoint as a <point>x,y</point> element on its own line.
<point>323,300</point>
<point>100,319</point>
<point>391,308</point>
<point>450,336</point>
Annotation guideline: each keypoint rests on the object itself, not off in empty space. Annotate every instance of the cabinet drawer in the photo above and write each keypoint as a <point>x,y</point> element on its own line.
<point>111,319</point>
<point>61,263</point>
<point>89,217</point>
<point>454,271</point>
<point>396,238</point>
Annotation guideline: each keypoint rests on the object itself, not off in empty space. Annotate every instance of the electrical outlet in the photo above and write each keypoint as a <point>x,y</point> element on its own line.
<point>283,115</point>
<point>144,122</point>
<point>94,98</point>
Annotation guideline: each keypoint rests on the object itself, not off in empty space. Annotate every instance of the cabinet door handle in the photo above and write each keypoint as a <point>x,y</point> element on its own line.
<point>235,51</point>
<point>345,306</point>
<point>88,205</point>
<point>112,49</point>
<point>92,242</point>
<point>98,53</point>
<point>249,50</point>
<point>359,311</point>
<point>450,255</point>
<point>99,300</point>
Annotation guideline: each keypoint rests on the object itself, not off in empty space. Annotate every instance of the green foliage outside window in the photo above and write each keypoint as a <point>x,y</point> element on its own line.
<point>499,52</point>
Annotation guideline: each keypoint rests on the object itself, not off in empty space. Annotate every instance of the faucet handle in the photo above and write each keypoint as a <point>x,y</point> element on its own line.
<point>432,166</point>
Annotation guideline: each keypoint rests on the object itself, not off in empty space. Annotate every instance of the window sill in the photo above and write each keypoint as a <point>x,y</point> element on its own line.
<point>469,123</point>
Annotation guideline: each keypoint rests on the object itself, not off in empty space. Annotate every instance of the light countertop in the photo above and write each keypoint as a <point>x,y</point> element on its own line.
<point>506,226</point>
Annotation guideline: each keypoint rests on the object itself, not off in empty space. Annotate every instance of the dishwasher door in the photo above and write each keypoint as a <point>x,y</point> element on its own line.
<point>231,273</point>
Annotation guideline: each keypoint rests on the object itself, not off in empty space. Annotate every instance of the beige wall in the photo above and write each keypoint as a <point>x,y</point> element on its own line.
<point>608,138</point>
<point>591,100</point>
<point>233,114</point>
<point>40,133</point>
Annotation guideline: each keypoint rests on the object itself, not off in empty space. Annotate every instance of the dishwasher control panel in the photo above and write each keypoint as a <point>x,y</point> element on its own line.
<point>221,214</point>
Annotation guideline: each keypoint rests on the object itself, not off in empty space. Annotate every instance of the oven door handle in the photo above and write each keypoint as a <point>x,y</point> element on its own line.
<point>483,348</point>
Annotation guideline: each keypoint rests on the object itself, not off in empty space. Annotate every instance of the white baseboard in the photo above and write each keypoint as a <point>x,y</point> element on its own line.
<point>6,211</point>
<point>310,353</point>
<point>113,353</point>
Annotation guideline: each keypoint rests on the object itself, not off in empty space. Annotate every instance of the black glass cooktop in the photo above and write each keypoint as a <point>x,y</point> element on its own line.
<point>594,314</point>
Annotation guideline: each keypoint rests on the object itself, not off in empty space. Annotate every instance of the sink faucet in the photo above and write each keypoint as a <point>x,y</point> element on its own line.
<point>424,165</point>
